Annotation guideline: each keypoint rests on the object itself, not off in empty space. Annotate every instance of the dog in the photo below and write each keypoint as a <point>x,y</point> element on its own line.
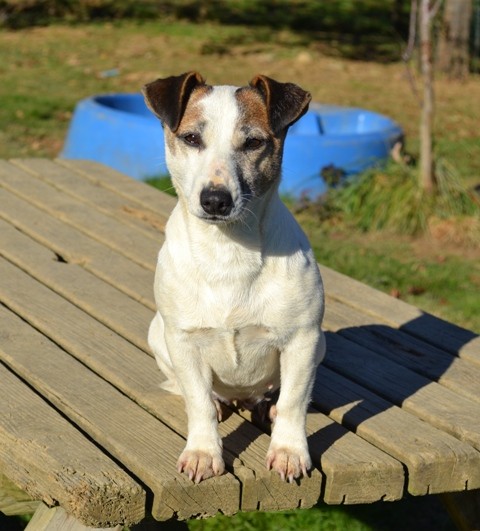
<point>238,292</point>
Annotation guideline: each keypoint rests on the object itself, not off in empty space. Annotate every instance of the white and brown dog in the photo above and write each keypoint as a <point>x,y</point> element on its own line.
<point>238,291</point>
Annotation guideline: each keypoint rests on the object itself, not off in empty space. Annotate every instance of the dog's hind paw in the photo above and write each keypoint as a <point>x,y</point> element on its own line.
<point>289,463</point>
<point>199,465</point>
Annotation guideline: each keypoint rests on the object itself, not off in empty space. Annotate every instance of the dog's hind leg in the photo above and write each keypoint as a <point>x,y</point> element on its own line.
<point>156,342</point>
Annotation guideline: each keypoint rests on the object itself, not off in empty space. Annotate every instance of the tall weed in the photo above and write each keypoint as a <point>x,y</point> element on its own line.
<point>391,199</point>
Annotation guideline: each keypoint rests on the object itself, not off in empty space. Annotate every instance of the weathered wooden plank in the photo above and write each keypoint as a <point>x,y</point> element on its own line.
<point>399,314</point>
<point>137,375</point>
<point>456,373</point>
<point>416,394</point>
<point>436,462</point>
<point>122,184</point>
<point>50,460</point>
<point>355,471</point>
<point>104,199</point>
<point>107,304</point>
<point>111,232</point>
<point>137,439</point>
<point>56,519</point>
<point>73,246</point>
<point>14,501</point>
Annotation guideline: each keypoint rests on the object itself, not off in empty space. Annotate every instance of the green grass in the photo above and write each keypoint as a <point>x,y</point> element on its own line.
<point>164,184</point>
<point>446,286</point>
<point>414,514</point>
<point>391,199</point>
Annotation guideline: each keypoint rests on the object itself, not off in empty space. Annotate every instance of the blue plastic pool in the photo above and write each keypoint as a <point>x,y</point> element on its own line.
<point>119,131</point>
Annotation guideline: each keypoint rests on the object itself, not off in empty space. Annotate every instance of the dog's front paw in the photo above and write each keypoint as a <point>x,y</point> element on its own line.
<point>200,465</point>
<point>290,463</point>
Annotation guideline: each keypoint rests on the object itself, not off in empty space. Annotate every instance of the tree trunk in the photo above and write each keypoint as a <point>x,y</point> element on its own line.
<point>427,178</point>
<point>453,46</point>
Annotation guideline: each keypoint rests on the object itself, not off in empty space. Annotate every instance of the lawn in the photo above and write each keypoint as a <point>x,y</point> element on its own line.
<point>46,70</point>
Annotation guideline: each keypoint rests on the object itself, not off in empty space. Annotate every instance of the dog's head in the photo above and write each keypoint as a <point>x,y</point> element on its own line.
<point>224,144</point>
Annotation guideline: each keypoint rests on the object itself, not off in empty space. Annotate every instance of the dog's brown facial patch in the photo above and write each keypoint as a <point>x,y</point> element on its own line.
<point>259,150</point>
<point>191,122</point>
<point>253,111</point>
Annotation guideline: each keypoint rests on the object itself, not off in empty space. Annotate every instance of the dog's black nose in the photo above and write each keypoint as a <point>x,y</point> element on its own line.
<point>216,201</point>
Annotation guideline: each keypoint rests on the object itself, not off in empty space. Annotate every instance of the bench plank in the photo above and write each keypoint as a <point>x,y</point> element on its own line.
<point>435,461</point>
<point>42,453</point>
<point>112,233</point>
<point>122,184</point>
<point>57,519</point>
<point>437,405</point>
<point>127,431</point>
<point>74,246</point>
<point>458,374</point>
<point>399,314</point>
<point>355,471</point>
<point>108,201</point>
<point>107,304</point>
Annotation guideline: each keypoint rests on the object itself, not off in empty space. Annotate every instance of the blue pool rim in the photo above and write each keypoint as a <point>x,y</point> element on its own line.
<point>120,131</point>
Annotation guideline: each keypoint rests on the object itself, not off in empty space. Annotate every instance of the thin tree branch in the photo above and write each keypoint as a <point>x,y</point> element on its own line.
<point>434,9</point>
<point>407,54</point>
<point>412,32</point>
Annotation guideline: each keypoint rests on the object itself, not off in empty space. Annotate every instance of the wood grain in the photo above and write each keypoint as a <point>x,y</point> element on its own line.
<point>399,314</point>
<point>124,429</point>
<point>433,403</point>
<point>71,245</point>
<point>112,233</point>
<point>57,519</point>
<point>435,461</point>
<point>458,374</point>
<point>49,459</point>
<point>95,196</point>
<point>105,303</point>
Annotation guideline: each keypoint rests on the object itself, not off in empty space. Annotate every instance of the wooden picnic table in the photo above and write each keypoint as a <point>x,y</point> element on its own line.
<point>86,430</point>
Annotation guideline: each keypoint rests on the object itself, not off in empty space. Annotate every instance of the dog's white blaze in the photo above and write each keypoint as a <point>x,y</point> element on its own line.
<point>220,111</point>
<point>213,163</point>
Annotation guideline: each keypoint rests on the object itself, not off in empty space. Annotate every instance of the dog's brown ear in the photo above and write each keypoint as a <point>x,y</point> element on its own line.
<point>286,102</point>
<point>168,97</point>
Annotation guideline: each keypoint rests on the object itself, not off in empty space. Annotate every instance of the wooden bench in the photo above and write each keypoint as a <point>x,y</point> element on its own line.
<point>86,431</point>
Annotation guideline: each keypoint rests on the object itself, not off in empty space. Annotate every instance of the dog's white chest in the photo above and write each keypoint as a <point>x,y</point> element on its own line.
<point>245,362</point>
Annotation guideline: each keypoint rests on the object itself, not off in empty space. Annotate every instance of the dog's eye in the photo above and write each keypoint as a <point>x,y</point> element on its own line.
<point>193,139</point>
<point>253,143</point>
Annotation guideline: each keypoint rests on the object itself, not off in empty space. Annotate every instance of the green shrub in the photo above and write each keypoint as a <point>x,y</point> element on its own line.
<point>392,199</point>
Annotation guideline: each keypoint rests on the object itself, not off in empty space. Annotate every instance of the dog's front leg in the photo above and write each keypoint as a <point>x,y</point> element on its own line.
<point>202,456</point>
<point>288,452</point>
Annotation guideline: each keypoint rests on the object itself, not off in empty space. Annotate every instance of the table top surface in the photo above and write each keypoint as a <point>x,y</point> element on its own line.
<point>85,424</point>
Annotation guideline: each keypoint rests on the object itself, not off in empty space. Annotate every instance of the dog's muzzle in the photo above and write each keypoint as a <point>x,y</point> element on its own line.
<point>216,202</point>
